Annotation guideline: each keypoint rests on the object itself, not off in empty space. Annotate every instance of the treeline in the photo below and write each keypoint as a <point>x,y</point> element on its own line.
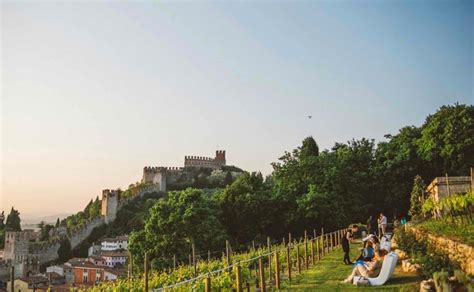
<point>311,188</point>
<point>11,222</point>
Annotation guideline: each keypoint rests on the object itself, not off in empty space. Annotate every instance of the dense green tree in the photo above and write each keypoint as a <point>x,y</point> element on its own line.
<point>174,224</point>
<point>64,251</point>
<point>228,178</point>
<point>447,140</point>
<point>13,222</point>
<point>397,162</point>
<point>58,223</point>
<point>247,208</point>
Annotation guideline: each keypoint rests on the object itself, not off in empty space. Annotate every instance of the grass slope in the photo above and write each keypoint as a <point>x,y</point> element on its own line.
<point>330,271</point>
<point>461,231</point>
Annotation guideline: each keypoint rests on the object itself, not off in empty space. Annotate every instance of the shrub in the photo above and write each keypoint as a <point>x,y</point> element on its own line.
<point>407,241</point>
<point>434,262</point>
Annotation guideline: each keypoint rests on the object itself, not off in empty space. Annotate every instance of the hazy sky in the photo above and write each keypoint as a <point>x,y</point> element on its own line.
<point>94,91</point>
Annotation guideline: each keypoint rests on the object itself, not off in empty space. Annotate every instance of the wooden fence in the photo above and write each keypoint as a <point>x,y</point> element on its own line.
<point>314,248</point>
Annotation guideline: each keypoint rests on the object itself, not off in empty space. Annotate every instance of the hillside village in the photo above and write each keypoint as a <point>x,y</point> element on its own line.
<point>29,259</point>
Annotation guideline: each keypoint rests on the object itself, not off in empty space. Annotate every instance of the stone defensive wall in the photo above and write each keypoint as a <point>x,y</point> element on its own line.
<point>457,252</point>
<point>4,270</point>
<point>79,235</point>
<point>44,252</point>
<point>144,190</point>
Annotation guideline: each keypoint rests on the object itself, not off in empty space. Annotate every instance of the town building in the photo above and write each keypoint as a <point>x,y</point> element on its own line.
<point>85,272</point>
<point>33,283</point>
<point>115,243</point>
<point>94,250</point>
<point>97,260</point>
<point>62,270</point>
<point>114,258</point>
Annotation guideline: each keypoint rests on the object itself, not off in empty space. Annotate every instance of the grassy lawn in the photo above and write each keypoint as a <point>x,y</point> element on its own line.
<point>462,232</point>
<point>330,271</point>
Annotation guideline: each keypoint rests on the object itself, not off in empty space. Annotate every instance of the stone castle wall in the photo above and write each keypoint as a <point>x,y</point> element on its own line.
<point>79,235</point>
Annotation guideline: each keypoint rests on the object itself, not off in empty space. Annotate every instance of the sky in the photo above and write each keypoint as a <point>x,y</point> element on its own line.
<point>91,92</point>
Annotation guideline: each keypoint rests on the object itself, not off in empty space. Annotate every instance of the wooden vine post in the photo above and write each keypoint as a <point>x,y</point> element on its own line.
<point>298,261</point>
<point>306,250</point>
<point>288,261</point>
<point>269,248</point>
<point>331,235</point>
<point>322,241</point>
<point>262,275</point>
<point>207,283</point>
<point>238,278</point>
<point>227,251</point>
<point>277,270</point>
<point>312,252</point>
<point>194,261</point>
<point>130,267</point>
<point>318,251</point>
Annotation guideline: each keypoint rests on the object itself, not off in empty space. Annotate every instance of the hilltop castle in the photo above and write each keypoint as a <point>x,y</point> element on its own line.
<point>24,251</point>
<point>161,176</point>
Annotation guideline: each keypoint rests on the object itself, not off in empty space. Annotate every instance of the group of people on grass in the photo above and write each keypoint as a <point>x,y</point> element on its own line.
<point>369,262</point>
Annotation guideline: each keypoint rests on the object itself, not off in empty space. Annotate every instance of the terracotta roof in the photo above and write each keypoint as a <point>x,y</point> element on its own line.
<point>34,279</point>
<point>77,260</point>
<point>54,275</point>
<point>114,254</point>
<point>117,238</point>
<point>88,265</point>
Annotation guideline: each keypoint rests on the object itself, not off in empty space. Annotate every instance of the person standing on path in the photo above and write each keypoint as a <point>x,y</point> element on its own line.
<point>345,242</point>
<point>382,224</point>
<point>370,226</point>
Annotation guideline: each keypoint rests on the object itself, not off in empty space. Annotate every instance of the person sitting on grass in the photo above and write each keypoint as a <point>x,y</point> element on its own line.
<point>367,252</point>
<point>368,269</point>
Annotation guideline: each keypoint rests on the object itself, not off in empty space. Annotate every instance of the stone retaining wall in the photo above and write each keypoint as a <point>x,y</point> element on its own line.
<point>458,252</point>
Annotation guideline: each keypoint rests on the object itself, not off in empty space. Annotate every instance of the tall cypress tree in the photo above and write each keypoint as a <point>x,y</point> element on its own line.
<point>13,222</point>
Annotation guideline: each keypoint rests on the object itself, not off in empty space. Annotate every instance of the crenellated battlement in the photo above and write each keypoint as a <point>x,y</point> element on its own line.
<point>161,169</point>
<point>20,235</point>
<point>206,162</point>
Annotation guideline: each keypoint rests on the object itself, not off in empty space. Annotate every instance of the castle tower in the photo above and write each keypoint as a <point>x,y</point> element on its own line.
<point>220,157</point>
<point>17,245</point>
<point>109,206</point>
<point>155,175</point>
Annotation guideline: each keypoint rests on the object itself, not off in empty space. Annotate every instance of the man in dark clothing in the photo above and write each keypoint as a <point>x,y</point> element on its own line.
<point>345,242</point>
<point>345,246</point>
<point>373,224</point>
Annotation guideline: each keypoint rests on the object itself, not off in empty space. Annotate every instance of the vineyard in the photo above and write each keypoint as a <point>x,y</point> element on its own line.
<point>455,208</point>
<point>270,266</point>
